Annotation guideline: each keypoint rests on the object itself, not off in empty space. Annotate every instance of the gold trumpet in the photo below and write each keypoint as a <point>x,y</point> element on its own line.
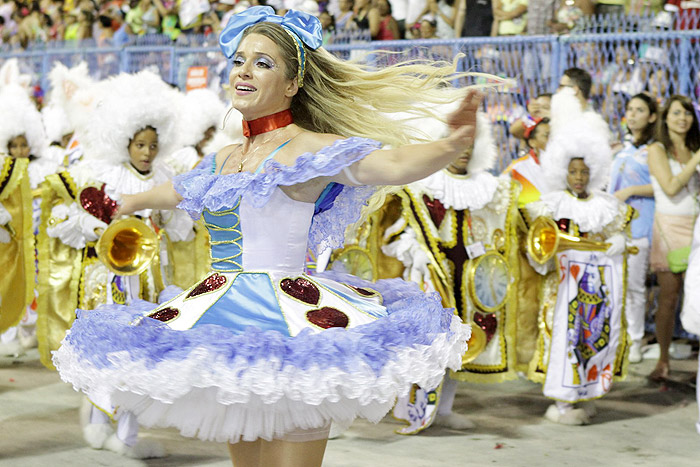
<point>544,240</point>
<point>127,246</point>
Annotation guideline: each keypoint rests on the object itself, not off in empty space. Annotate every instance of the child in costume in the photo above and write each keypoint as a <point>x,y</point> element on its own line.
<point>22,137</point>
<point>62,113</point>
<point>582,341</point>
<point>457,236</point>
<point>259,354</point>
<point>16,251</point>
<point>528,173</point>
<point>630,182</point>
<point>132,122</point>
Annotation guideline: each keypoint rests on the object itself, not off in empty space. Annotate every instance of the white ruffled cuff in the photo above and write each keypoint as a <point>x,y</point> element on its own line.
<point>74,227</point>
<point>407,249</point>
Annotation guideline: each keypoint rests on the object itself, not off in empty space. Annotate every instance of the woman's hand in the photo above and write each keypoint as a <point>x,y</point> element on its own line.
<point>126,207</point>
<point>462,121</point>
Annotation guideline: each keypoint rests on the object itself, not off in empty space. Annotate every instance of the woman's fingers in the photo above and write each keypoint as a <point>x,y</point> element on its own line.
<point>466,113</point>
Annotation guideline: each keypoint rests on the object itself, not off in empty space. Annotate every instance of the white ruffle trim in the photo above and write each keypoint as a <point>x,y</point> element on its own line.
<point>599,213</point>
<point>39,169</point>
<point>459,192</point>
<point>74,226</point>
<point>206,397</point>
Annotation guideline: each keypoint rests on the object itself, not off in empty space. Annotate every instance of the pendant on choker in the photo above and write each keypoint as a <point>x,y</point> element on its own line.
<point>267,123</point>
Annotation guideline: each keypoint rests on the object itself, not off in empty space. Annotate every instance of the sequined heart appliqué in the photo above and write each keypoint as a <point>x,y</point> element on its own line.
<point>363,292</point>
<point>301,289</point>
<point>328,317</point>
<point>210,284</point>
<point>488,323</point>
<point>165,314</point>
<point>96,202</point>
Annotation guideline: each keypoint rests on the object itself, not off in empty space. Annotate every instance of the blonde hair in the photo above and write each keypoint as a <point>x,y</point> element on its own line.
<point>349,99</point>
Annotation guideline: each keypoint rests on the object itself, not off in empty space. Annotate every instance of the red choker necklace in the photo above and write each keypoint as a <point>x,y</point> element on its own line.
<point>267,123</point>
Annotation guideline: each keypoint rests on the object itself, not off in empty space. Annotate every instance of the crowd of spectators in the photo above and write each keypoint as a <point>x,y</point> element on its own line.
<point>25,22</point>
<point>620,69</point>
<point>112,21</point>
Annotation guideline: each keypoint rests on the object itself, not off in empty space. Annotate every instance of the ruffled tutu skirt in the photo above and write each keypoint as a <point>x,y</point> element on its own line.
<point>251,355</point>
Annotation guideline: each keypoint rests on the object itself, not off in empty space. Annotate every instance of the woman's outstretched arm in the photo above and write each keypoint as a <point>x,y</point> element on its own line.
<point>413,162</point>
<point>162,197</point>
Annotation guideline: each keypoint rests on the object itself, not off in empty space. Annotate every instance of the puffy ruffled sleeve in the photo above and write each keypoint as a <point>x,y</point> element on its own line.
<point>193,184</point>
<point>329,224</point>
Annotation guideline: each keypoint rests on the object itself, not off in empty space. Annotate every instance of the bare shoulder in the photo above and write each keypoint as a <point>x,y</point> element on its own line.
<point>656,147</point>
<point>314,142</point>
<point>656,152</point>
<point>224,152</point>
<point>305,142</point>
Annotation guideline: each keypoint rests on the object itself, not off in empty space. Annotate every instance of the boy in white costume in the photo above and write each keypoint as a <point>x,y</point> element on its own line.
<point>582,342</point>
<point>457,236</point>
<point>132,122</point>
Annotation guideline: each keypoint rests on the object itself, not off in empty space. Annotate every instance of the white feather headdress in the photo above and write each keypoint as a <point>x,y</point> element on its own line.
<point>65,82</point>
<point>576,134</point>
<point>62,110</point>
<point>10,75</point>
<point>485,150</point>
<point>121,107</point>
<point>201,110</point>
<point>19,116</point>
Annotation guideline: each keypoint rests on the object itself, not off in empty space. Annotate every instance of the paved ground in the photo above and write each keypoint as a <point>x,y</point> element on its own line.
<point>638,425</point>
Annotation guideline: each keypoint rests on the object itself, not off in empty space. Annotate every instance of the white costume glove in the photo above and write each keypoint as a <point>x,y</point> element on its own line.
<point>5,218</point>
<point>76,227</point>
<point>617,245</point>
<point>541,269</point>
<point>414,259</point>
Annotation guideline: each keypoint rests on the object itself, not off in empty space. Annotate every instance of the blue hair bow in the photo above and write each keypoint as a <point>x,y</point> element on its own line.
<point>303,25</point>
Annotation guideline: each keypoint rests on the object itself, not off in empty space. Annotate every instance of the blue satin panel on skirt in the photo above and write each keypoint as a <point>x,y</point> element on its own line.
<point>251,301</point>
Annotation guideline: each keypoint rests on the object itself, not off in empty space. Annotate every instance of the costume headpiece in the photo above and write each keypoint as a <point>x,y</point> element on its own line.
<point>485,151</point>
<point>301,27</point>
<point>576,134</point>
<point>530,125</point>
<point>19,116</point>
<point>123,105</point>
<point>201,109</point>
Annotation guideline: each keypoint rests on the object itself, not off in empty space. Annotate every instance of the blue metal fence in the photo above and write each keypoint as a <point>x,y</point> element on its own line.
<point>621,65</point>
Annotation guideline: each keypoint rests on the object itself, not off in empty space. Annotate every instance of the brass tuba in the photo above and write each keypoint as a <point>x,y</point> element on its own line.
<point>544,240</point>
<point>127,246</point>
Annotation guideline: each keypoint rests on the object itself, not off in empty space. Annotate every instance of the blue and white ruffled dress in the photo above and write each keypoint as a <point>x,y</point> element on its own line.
<point>258,349</point>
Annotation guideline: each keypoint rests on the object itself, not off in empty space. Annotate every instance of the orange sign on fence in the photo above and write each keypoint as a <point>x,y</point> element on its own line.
<point>196,77</point>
